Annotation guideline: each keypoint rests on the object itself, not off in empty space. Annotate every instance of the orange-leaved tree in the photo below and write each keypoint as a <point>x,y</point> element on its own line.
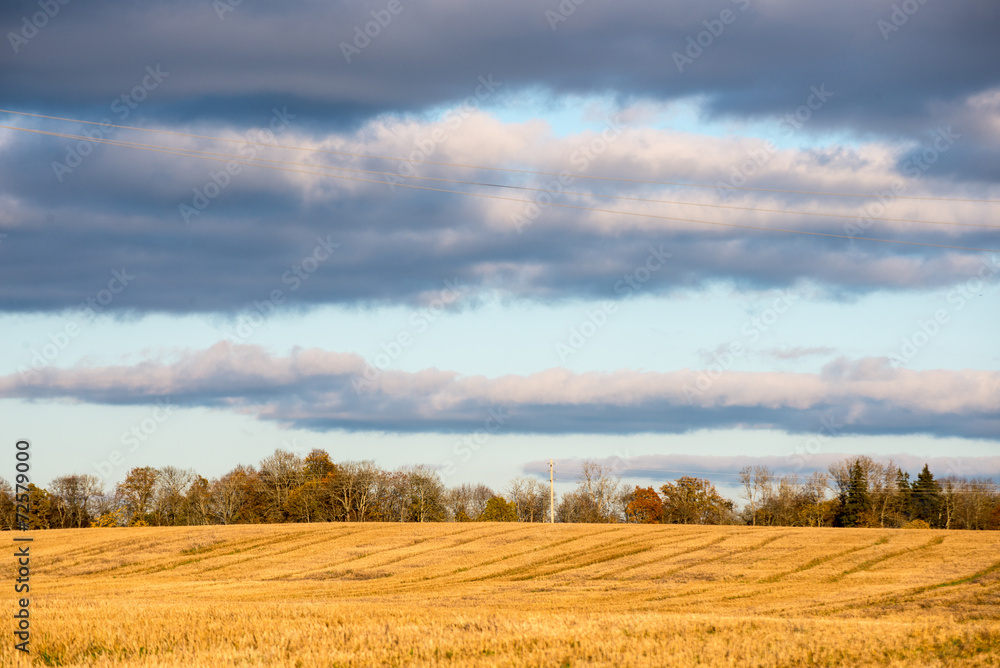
<point>645,508</point>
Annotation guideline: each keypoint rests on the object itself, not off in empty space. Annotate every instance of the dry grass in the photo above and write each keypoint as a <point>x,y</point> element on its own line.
<point>508,594</point>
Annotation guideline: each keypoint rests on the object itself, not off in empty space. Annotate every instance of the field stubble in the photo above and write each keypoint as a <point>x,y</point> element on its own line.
<point>510,594</point>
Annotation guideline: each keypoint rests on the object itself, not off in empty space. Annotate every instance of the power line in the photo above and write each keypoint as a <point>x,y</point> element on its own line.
<point>499,169</point>
<point>182,152</point>
<point>228,156</point>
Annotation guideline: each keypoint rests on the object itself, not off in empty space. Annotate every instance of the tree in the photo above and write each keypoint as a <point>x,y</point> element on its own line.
<point>646,507</point>
<point>135,494</point>
<point>694,501</point>
<point>467,500</point>
<point>354,488</point>
<point>903,500</point>
<point>8,512</point>
<point>577,506</point>
<point>781,503</point>
<point>883,487</point>
<point>925,503</point>
<point>306,502</point>
<point>597,494</point>
<point>424,495</point>
<point>391,496</point>
<point>969,503</point>
<point>498,509</point>
<point>171,487</point>
<point>756,481</point>
<point>279,474</point>
<point>530,497</point>
<point>71,499</point>
<point>993,523</point>
<point>815,510</point>
<point>197,504</point>
<point>318,465</point>
<point>238,497</point>
<point>40,508</point>
<point>856,508</point>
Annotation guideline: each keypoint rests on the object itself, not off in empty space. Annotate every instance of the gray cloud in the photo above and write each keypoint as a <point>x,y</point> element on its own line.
<point>797,352</point>
<point>725,469</point>
<point>762,63</point>
<point>122,208</point>
<point>893,90</point>
<point>323,391</point>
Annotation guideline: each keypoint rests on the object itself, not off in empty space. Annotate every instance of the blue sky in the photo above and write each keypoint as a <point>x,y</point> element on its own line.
<point>590,330</point>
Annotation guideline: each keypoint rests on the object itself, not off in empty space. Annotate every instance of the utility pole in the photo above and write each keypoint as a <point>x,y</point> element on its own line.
<point>552,492</point>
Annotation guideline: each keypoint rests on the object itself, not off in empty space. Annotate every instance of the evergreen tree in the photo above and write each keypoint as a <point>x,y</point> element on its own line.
<point>856,505</point>
<point>925,502</point>
<point>904,497</point>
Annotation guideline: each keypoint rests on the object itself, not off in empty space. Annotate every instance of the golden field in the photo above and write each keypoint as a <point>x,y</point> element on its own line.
<point>485,594</point>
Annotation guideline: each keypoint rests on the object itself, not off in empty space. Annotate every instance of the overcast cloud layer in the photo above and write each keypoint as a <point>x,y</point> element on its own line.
<point>319,390</point>
<point>147,215</point>
<point>764,60</point>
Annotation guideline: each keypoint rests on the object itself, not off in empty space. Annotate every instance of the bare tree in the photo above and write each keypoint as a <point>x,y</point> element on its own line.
<point>172,484</point>
<point>425,495</point>
<point>975,501</point>
<point>467,502</point>
<point>598,493</point>
<point>8,512</point>
<point>530,497</point>
<point>230,494</point>
<point>756,482</point>
<point>280,474</point>
<point>354,489</point>
<point>198,502</point>
<point>73,497</point>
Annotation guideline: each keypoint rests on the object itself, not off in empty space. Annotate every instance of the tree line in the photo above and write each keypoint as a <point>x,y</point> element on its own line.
<point>284,487</point>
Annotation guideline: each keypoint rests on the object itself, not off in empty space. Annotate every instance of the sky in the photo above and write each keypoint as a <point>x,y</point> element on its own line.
<point>677,238</point>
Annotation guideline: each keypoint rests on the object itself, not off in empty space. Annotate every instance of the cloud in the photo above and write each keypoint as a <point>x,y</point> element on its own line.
<point>923,121</point>
<point>725,469</point>
<point>126,209</point>
<point>798,352</point>
<point>319,390</point>
<point>761,62</point>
